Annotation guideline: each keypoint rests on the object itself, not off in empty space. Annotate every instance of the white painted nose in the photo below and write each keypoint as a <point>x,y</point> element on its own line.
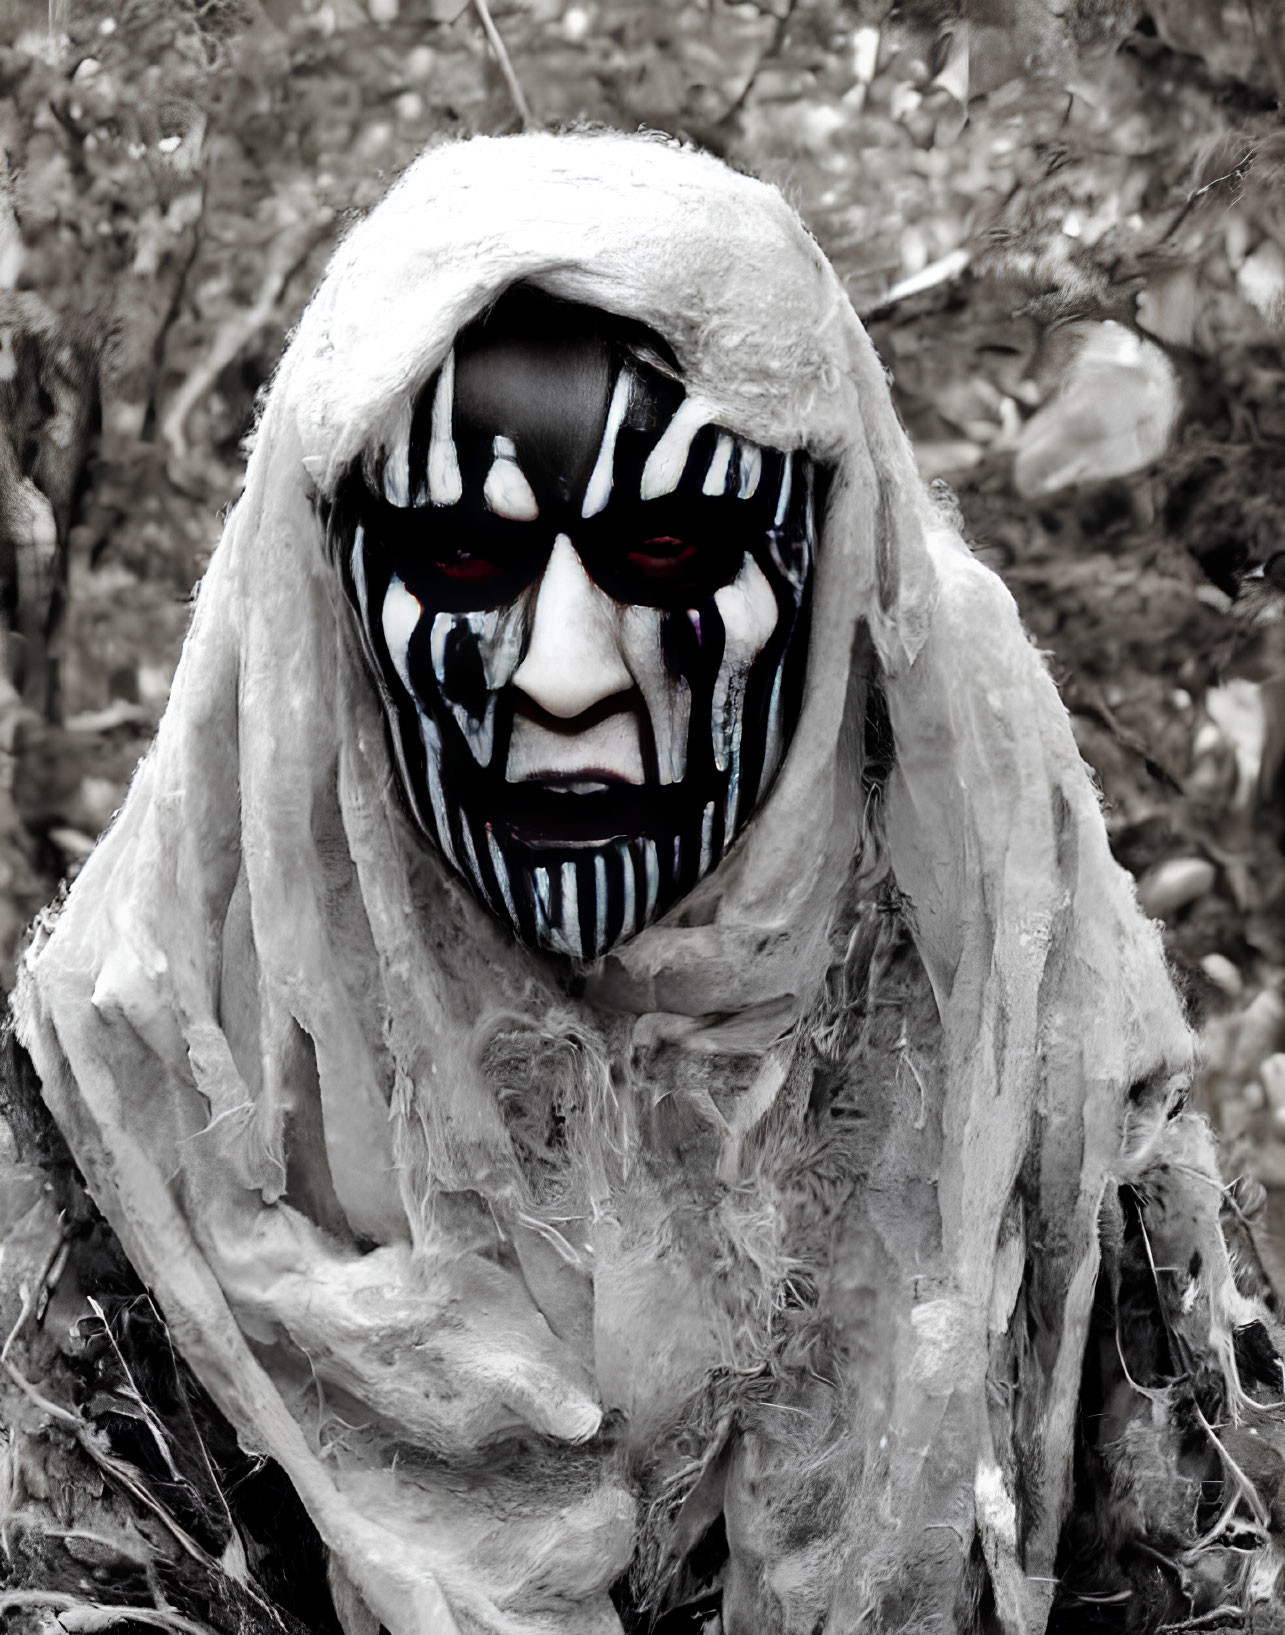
<point>573,660</point>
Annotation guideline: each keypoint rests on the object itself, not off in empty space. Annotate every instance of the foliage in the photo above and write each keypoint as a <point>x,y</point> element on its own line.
<point>1064,229</point>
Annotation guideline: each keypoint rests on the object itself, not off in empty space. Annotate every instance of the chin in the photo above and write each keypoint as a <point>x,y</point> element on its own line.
<point>577,865</point>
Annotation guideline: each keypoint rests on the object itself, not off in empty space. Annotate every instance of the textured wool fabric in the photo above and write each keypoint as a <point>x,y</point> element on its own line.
<point>786,1212</point>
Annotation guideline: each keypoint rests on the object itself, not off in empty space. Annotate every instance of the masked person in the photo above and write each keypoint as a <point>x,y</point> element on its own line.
<point>607,1021</point>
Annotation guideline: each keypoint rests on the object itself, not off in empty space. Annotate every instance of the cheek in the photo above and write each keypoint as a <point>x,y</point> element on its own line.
<point>665,693</point>
<point>749,613</point>
<point>400,619</point>
<point>504,640</point>
<point>447,659</point>
<point>471,655</point>
<point>455,658</point>
<point>466,659</point>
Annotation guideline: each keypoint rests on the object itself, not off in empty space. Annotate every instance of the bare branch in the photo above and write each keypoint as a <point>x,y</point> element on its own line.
<point>529,122</point>
<point>85,1617</point>
<point>236,333</point>
<point>33,1295</point>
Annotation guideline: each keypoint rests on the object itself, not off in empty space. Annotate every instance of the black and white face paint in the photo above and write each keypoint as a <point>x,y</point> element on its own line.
<point>586,611</point>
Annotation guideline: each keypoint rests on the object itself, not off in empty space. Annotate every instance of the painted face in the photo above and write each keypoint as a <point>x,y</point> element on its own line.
<point>586,611</point>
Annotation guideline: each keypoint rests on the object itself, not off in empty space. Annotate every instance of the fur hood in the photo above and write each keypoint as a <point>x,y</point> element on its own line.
<point>785,1213</point>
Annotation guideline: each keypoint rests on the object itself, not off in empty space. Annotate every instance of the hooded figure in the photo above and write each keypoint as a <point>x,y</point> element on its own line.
<point>607,1020</point>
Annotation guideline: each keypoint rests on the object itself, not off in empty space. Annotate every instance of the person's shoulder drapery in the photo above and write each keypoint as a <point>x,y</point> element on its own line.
<point>766,1259</point>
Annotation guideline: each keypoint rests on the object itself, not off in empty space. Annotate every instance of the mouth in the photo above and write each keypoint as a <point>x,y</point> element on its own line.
<point>589,780</point>
<point>586,808</point>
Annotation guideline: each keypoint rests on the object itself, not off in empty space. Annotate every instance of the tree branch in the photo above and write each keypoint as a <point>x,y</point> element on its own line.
<point>235,333</point>
<point>529,122</point>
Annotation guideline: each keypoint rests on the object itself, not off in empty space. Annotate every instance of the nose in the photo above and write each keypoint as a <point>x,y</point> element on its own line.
<point>573,658</point>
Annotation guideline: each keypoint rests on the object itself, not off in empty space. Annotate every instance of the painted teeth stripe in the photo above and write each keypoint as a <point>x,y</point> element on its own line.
<point>598,491</point>
<point>629,923</point>
<point>787,479</point>
<point>751,470</point>
<point>506,491</point>
<point>600,904</point>
<point>667,460</point>
<point>502,876</point>
<point>399,618</point>
<point>651,874</point>
<point>444,484</point>
<point>571,910</point>
<point>716,476</point>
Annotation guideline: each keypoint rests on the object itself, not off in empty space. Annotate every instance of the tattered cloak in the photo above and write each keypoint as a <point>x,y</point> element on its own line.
<point>835,1253</point>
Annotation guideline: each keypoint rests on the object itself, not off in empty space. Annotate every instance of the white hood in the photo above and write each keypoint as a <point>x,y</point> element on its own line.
<point>301,1068</point>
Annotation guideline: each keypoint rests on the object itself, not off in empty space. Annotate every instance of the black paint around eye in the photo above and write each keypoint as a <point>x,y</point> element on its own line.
<point>457,559</point>
<point>671,552</point>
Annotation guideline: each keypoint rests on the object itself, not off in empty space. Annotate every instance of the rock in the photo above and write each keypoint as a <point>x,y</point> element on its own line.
<point>1220,971</point>
<point>1271,1075</point>
<point>1261,281</point>
<point>1261,1032</point>
<point>1113,415</point>
<point>1173,884</point>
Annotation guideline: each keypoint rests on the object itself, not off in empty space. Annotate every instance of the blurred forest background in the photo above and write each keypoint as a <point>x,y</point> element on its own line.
<point>1063,221</point>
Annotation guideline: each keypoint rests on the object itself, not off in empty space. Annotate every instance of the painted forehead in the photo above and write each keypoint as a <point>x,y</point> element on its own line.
<point>549,419</point>
<point>543,388</point>
<point>541,374</point>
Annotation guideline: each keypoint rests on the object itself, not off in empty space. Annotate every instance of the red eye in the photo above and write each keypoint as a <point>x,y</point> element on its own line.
<point>662,557</point>
<point>463,565</point>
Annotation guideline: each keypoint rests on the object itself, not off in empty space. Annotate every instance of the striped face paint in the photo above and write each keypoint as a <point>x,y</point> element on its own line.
<point>585,608</point>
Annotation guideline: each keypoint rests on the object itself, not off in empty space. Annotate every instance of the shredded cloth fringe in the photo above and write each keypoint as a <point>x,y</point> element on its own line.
<point>807,1262</point>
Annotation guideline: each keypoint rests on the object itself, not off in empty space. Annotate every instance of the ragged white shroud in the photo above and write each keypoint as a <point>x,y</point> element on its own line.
<point>300,1068</point>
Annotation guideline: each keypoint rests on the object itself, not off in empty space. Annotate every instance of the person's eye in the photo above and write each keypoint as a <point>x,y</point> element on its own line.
<point>664,557</point>
<point>458,557</point>
<point>482,549</point>
<point>467,567</point>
